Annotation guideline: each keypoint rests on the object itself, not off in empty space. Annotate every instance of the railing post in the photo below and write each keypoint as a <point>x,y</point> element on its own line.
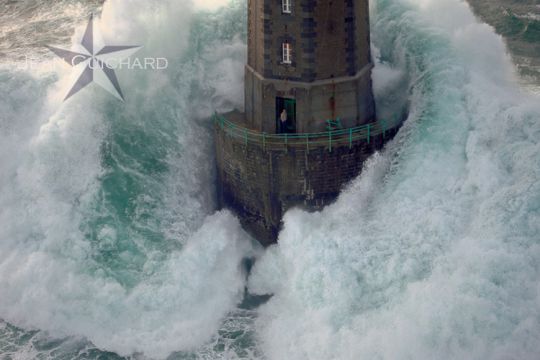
<point>264,141</point>
<point>245,137</point>
<point>330,141</point>
<point>368,133</point>
<point>286,139</point>
<point>307,144</point>
<point>350,138</point>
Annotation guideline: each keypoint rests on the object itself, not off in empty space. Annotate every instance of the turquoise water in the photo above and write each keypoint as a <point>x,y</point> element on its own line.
<point>110,245</point>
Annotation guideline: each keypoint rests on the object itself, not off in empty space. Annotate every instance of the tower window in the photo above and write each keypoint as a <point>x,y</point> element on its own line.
<point>286,53</point>
<point>286,6</point>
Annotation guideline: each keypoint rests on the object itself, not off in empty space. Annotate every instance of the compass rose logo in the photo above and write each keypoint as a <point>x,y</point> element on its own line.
<point>95,65</point>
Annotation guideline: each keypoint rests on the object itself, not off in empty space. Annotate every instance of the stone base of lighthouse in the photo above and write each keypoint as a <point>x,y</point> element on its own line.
<point>261,178</point>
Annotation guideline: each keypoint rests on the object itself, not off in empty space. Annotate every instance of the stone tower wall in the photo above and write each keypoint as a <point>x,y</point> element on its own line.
<point>330,74</point>
<point>259,184</point>
<point>330,38</point>
<point>354,103</point>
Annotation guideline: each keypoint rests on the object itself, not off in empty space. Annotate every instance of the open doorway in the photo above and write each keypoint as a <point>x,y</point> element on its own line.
<point>290,107</point>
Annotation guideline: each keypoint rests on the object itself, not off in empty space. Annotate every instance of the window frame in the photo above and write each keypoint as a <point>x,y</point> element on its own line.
<point>286,53</point>
<point>286,6</point>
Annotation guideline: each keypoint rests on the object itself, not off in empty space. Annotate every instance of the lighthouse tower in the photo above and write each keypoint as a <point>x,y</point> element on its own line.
<point>309,120</point>
<point>311,57</point>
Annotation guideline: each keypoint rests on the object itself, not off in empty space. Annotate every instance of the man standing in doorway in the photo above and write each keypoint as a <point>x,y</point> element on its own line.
<point>283,122</point>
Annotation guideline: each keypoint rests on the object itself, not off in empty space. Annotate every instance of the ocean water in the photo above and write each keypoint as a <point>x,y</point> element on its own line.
<point>111,246</point>
<point>519,22</point>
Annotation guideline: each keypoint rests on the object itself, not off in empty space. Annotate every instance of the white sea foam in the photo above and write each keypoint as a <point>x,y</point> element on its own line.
<point>70,263</point>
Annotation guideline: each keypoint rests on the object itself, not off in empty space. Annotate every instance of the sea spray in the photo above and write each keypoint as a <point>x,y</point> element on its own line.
<point>108,207</point>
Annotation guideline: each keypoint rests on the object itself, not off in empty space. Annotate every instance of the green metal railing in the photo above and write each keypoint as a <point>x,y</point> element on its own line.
<point>329,139</point>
